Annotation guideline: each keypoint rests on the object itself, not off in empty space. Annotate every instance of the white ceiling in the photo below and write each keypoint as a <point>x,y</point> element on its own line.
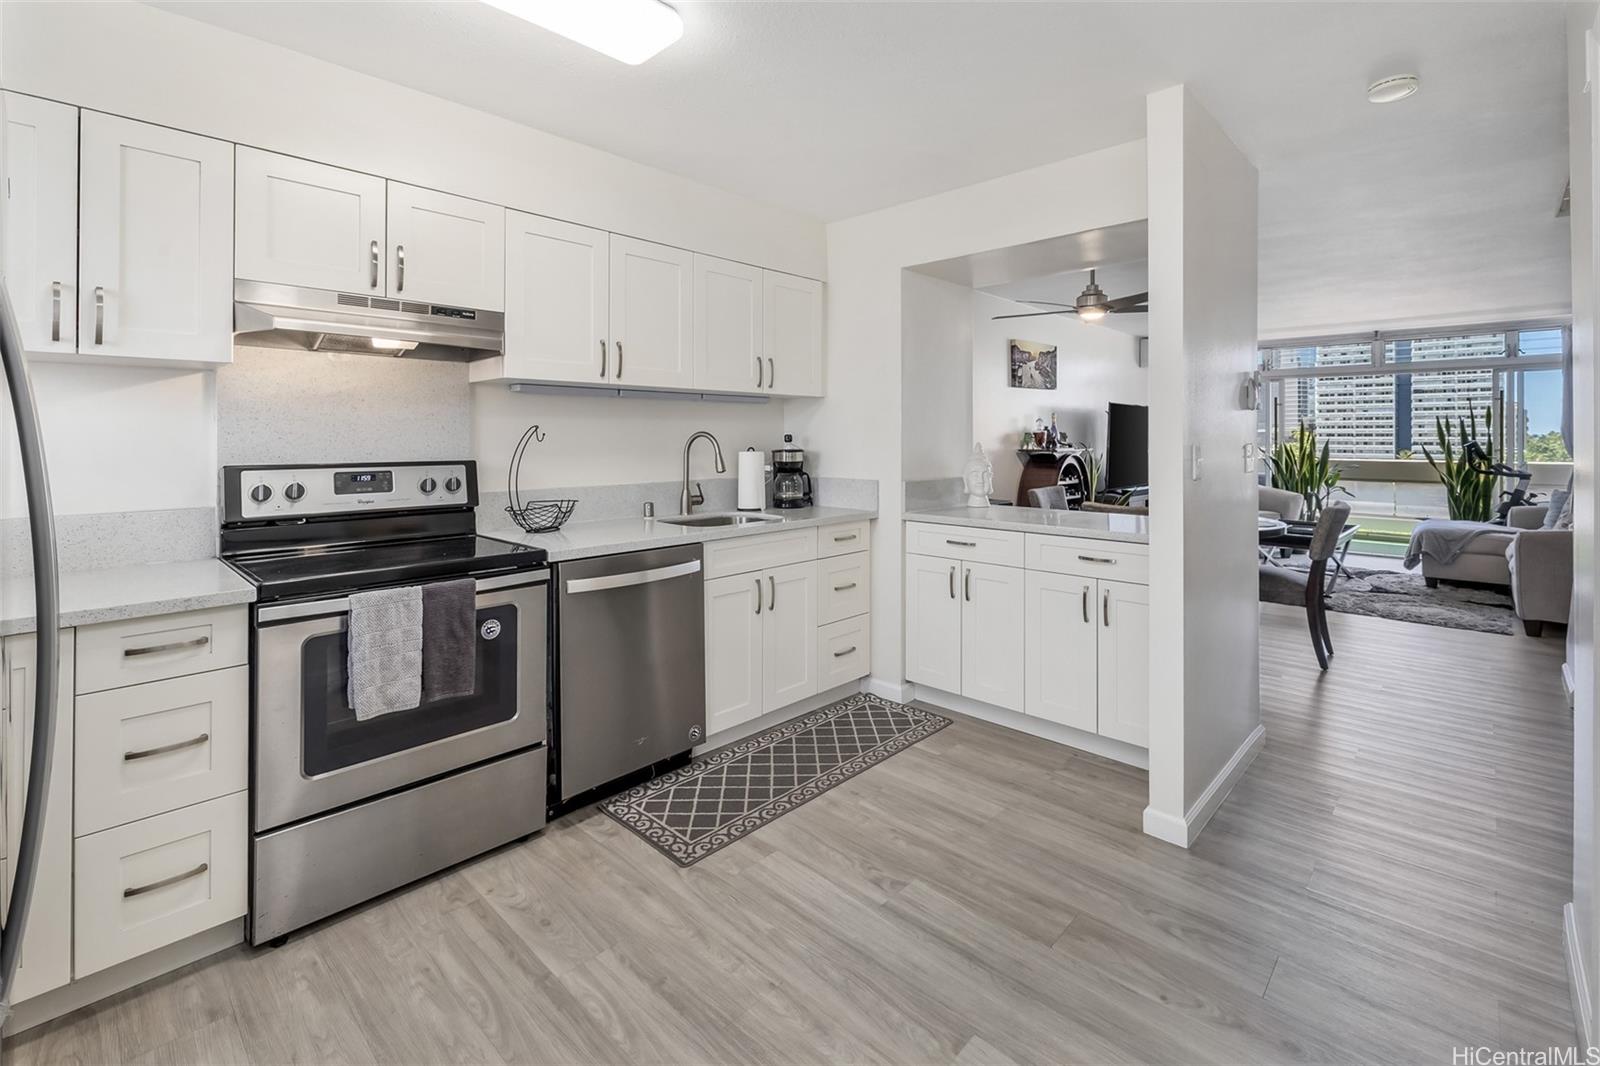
<point>1437,206</point>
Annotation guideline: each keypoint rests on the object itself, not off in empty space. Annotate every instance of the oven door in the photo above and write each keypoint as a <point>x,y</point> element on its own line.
<point>312,755</point>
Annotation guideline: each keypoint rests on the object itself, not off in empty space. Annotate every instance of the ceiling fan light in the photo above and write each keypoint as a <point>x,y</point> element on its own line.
<point>1091,314</point>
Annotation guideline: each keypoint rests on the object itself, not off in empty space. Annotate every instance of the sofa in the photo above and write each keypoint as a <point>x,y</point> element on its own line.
<point>1281,504</point>
<point>1535,561</point>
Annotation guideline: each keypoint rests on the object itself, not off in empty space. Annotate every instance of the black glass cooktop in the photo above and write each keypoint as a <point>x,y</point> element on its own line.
<point>297,572</point>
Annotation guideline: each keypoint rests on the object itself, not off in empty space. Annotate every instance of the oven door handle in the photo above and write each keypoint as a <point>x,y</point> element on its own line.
<point>632,577</point>
<point>279,612</point>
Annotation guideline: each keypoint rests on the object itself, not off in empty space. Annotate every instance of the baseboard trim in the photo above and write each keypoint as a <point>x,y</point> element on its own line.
<point>123,976</point>
<point>774,718</point>
<point>1092,743</point>
<point>1577,977</point>
<point>888,690</point>
<point>1186,830</point>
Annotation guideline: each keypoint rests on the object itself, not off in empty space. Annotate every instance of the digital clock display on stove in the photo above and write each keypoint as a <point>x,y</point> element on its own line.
<point>346,482</point>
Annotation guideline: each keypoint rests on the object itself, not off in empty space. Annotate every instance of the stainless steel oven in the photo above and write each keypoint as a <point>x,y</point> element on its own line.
<point>314,756</point>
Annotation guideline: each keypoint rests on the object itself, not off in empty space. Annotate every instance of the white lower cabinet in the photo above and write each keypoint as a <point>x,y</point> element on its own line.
<point>933,622</point>
<point>734,650</point>
<point>1124,660</point>
<point>844,652</point>
<point>789,636</point>
<point>1061,653</point>
<point>964,629</point>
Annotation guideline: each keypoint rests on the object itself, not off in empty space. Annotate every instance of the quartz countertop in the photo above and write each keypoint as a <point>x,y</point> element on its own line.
<point>1096,525</point>
<point>582,540</point>
<point>89,596</point>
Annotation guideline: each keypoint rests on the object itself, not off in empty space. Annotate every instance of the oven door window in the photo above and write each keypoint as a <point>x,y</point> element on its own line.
<point>335,739</point>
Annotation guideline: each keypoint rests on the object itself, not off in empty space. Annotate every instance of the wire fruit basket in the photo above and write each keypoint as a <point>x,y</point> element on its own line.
<point>533,516</point>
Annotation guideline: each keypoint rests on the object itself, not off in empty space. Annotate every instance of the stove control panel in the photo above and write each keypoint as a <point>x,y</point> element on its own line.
<point>287,492</point>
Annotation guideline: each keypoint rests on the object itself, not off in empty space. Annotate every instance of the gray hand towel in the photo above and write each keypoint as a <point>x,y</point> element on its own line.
<point>449,639</point>
<point>385,638</point>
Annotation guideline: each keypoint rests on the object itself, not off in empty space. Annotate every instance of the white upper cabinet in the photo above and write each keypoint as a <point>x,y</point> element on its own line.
<point>792,321</point>
<point>727,326</point>
<point>308,224</point>
<point>652,314</point>
<point>41,220</point>
<point>558,279</point>
<point>446,249</point>
<point>155,243</point>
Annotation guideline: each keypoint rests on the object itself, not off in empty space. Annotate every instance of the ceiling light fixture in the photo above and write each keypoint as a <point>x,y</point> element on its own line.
<point>628,30</point>
<point>1395,87</point>
<point>1091,302</point>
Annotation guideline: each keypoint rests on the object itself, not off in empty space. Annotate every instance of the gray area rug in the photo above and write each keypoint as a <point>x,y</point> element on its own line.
<point>690,813</point>
<point>1405,597</point>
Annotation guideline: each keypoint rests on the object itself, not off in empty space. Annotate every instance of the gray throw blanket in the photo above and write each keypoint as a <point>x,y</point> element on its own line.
<point>385,651</point>
<point>1442,540</point>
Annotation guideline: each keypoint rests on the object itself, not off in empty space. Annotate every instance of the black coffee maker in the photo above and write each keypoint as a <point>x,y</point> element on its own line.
<point>791,485</point>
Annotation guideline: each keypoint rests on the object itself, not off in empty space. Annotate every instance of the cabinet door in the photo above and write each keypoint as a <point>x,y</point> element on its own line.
<point>41,221</point>
<point>734,650</point>
<point>557,300</point>
<point>46,960</point>
<point>307,224</point>
<point>446,249</point>
<point>789,635</point>
<point>1125,662</point>
<point>992,627</point>
<point>933,622</point>
<point>155,243</point>
<point>792,324</point>
<point>1059,653</point>
<point>652,314</point>
<point>727,326</point>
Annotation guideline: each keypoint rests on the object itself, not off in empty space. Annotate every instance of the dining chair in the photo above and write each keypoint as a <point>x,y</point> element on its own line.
<point>1308,587</point>
<point>1049,498</point>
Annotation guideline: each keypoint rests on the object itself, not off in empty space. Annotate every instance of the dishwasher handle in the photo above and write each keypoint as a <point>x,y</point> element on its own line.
<point>633,577</point>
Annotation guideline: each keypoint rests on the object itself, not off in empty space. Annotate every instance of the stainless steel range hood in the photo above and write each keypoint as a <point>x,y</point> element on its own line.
<point>283,316</point>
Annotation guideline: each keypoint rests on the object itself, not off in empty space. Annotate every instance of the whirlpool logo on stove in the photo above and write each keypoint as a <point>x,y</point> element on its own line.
<point>491,629</point>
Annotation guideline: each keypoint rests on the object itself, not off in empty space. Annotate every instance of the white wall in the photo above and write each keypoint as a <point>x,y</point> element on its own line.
<point>857,426</point>
<point>1204,685</point>
<point>1583,920</point>
<point>936,378</point>
<point>1094,366</point>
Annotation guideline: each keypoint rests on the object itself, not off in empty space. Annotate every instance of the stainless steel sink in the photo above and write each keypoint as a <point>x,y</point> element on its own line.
<point>720,519</point>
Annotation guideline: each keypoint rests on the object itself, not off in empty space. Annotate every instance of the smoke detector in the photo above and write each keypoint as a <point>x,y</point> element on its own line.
<point>1393,88</point>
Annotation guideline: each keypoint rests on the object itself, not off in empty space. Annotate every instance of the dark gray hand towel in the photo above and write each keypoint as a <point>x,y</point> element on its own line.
<point>449,639</point>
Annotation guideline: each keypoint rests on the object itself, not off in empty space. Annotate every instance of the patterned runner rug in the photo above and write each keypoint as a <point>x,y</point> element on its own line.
<point>689,813</point>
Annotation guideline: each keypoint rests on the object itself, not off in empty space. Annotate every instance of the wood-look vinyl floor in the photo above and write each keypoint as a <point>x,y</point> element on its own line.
<point>1384,885</point>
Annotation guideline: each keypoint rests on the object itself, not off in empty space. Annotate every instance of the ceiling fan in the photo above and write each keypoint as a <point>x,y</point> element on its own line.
<point>1091,306</point>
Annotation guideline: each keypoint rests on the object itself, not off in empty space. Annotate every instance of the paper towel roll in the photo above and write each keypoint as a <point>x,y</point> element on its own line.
<point>752,480</point>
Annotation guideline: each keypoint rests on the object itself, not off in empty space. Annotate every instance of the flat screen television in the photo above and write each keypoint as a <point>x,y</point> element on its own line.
<point>1127,446</point>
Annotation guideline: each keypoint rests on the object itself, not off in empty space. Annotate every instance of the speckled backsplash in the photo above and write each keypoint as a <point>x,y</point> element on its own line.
<point>599,503</point>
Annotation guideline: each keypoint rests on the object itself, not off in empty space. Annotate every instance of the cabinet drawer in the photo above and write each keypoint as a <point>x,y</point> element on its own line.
<point>964,542</point>
<point>844,651</point>
<point>150,883</point>
<point>844,586</point>
<point>842,539</point>
<point>1088,558</point>
<point>114,654</point>
<point>159,746</point>
<point>762,551</point>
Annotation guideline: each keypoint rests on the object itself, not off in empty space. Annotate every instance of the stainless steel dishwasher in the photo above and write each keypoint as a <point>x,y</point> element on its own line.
<point>631,669</point>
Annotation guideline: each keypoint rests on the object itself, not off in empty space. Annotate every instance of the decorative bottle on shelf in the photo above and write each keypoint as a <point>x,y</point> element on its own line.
<point>1052,436</point>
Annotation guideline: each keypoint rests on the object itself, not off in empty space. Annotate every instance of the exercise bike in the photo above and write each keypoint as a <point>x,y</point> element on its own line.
<point>1517,496</point>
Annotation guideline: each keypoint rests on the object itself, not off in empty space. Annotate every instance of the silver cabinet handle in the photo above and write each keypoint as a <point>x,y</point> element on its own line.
<point>400,268</point>
<point>156,649</point>
<point>758,594</point>
<point>633,577</point>
<point>844,588</point>
<point>952,582</point>
<point>55,310</point>
<point>845,537</point>
<point>99,314</point>
<point>374,264</point>
<point>759,374</point>
<point>619,360</point>
<point>139,890</point>
<point>1086,605</point>
<point>604,359</point>
<point>966,584</point>
<point>1105,607</point>
<point>772,373</point>
<point>192,742</point>
<point>772,593</point>
<point>963,543</point>
<point>1097,559</point>
<point>842,654</point>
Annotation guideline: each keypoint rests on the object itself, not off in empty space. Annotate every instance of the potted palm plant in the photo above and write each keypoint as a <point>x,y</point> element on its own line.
<point>1298,465</point>
<point>1469,490</point>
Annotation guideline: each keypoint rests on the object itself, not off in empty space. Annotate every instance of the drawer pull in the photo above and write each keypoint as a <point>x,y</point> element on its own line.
<point>963,543</point>
<point>156,649</point>
<point>845,537</point>
<point>192,742</point>
<point>1097,559</point>
<point>139,890</point>
<point>845,587</point>
<point>842,654</point>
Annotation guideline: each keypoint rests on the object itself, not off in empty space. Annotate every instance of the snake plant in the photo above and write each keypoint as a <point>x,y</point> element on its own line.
<point>1469,492</point>
<point>1297,465</point>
